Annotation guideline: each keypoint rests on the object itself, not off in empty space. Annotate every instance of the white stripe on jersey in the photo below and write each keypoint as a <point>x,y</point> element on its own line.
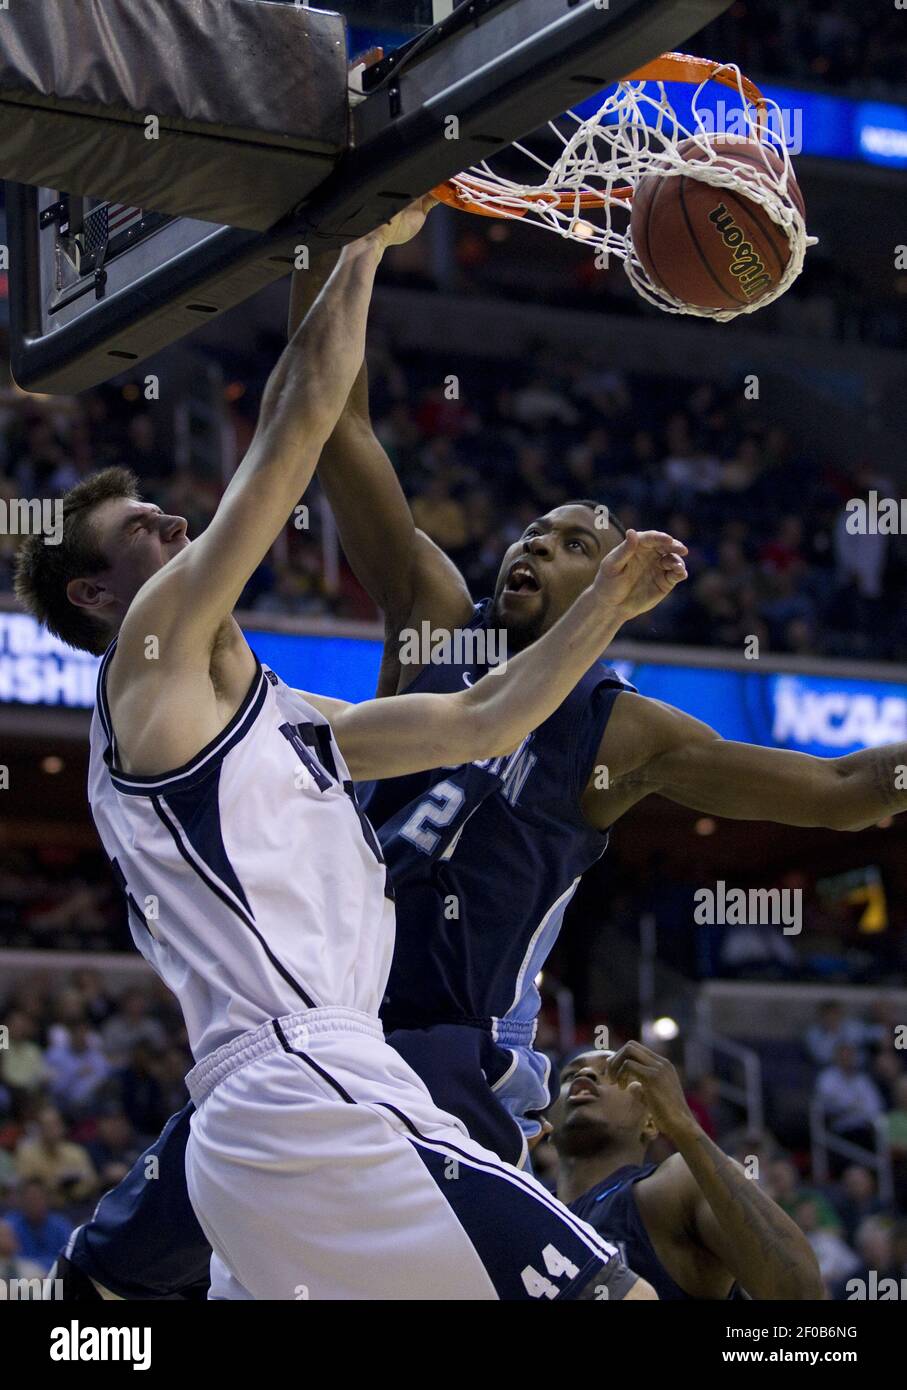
<point>255,888</point>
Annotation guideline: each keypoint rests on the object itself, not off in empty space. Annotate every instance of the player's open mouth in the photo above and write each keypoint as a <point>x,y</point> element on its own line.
<point>581,1090</point>
<point>521,579</point>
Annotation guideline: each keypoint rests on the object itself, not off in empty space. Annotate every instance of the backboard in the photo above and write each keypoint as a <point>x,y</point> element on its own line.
<point>501,67</point>
<point>397,20</point>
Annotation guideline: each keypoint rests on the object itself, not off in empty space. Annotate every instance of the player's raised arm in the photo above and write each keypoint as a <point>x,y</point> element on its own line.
<point>185,603</point>
<point>651,747</point>
<point>710,1195</point>
<point>403,572</point>
<point>389,738</point>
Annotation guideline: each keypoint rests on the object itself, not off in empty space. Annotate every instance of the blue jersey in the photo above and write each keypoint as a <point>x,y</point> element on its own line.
<point>611,1206</point>
<point>484,859</point>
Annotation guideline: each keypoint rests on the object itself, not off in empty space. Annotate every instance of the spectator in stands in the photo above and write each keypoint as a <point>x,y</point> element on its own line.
<point>36,469</point>
<point>140,1092</point>
<point>171,1073</point>
<point>22,1066</point>
<point>9,1175</point>
<point>131,1024</point>
<point>887,1070</point>
<point>861,555</point>
<point>896,1121</point>
<point>114,1148</point>
<point>143,455</point>
<point>440,515</point>
<point>12,1264</point>
<point>836,1259</point>
<point>873,1243</point>
<point>63,1168</point>
<point>94,1001</point>
<point>78,1069</point>
<point>539,404</point>
<point>831,1030</point>
<point>850,1099</point>
<point>40,1232</point>
<point>884,1017</point>
<point>786,1186</point>
<point>856,1198</point>
<point>899,1248</point>
<point>703,1098</point>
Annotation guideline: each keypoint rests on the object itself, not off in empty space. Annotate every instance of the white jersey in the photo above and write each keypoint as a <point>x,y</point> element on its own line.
<point>256,886</point>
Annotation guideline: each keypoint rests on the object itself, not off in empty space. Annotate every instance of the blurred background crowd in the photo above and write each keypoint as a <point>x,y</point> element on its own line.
<point>764,512</point>
<point>832,44</point>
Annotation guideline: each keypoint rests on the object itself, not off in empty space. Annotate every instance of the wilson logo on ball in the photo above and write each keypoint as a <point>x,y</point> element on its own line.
<point>746,264</point>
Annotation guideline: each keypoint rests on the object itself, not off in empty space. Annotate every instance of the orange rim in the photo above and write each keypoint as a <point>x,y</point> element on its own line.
<point>670,67</point>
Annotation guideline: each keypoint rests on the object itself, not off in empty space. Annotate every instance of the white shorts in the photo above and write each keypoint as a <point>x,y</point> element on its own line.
<point>319,1167</point>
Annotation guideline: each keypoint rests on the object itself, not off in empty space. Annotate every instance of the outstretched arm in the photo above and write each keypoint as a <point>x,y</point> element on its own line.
<point>651,747</point>
<point>709,1195</point>
<point>185,604</point>
<point>389,738</point>
<point>406,575</point>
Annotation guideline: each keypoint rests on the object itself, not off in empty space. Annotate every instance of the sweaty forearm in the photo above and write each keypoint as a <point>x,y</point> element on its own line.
<point>391,738</point>
<point>305,287</point>
<point>313,379</point>
<point>373,518</point>
<point>873,784</point>
<point>766,1252</point>
<point>744,782</point>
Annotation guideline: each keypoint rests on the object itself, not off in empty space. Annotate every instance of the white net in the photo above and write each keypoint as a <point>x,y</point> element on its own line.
<point>585,193</point>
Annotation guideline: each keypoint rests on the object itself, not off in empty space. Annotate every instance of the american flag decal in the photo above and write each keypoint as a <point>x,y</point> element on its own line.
<point>106,222</point>
<point>120,218</point>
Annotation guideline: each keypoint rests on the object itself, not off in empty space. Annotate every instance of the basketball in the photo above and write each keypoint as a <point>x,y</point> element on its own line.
<point>711,248</point>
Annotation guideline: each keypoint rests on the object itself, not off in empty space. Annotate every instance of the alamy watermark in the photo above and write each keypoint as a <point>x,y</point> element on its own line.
<point>735,122</point>
<point>78,1343</point>
<point>21,516</point>
<point>461,646</point>
<point>749,907</point>
<point>30,1290</point>
<point>874,1289</point>
<point>873,515</point>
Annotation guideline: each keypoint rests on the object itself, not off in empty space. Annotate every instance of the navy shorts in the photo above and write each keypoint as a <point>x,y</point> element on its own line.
<point>496,1091</point>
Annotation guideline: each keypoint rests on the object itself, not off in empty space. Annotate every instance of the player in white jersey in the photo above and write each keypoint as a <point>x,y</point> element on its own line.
<point>318,1164</point>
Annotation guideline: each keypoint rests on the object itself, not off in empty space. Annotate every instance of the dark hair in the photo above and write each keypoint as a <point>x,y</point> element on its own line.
<point>42,572</point>
<point>594,507</point>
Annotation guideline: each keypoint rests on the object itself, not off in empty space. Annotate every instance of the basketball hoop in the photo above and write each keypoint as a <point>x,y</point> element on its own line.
<point>635,133</point>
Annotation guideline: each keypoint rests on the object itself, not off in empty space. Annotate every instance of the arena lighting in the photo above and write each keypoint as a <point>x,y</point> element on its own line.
<point>52,764</point>
<point>665,1029</point>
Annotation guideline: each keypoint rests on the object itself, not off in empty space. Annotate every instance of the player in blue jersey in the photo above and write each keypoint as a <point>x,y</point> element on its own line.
<point>695,1225</point>
<point>486,857</point>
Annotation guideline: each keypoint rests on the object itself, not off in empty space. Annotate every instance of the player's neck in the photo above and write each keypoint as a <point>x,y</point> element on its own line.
<point>576,1174</point>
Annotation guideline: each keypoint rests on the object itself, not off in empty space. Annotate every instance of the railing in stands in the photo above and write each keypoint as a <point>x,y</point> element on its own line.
<point>825,1141</point>
<point>703,1047</point>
